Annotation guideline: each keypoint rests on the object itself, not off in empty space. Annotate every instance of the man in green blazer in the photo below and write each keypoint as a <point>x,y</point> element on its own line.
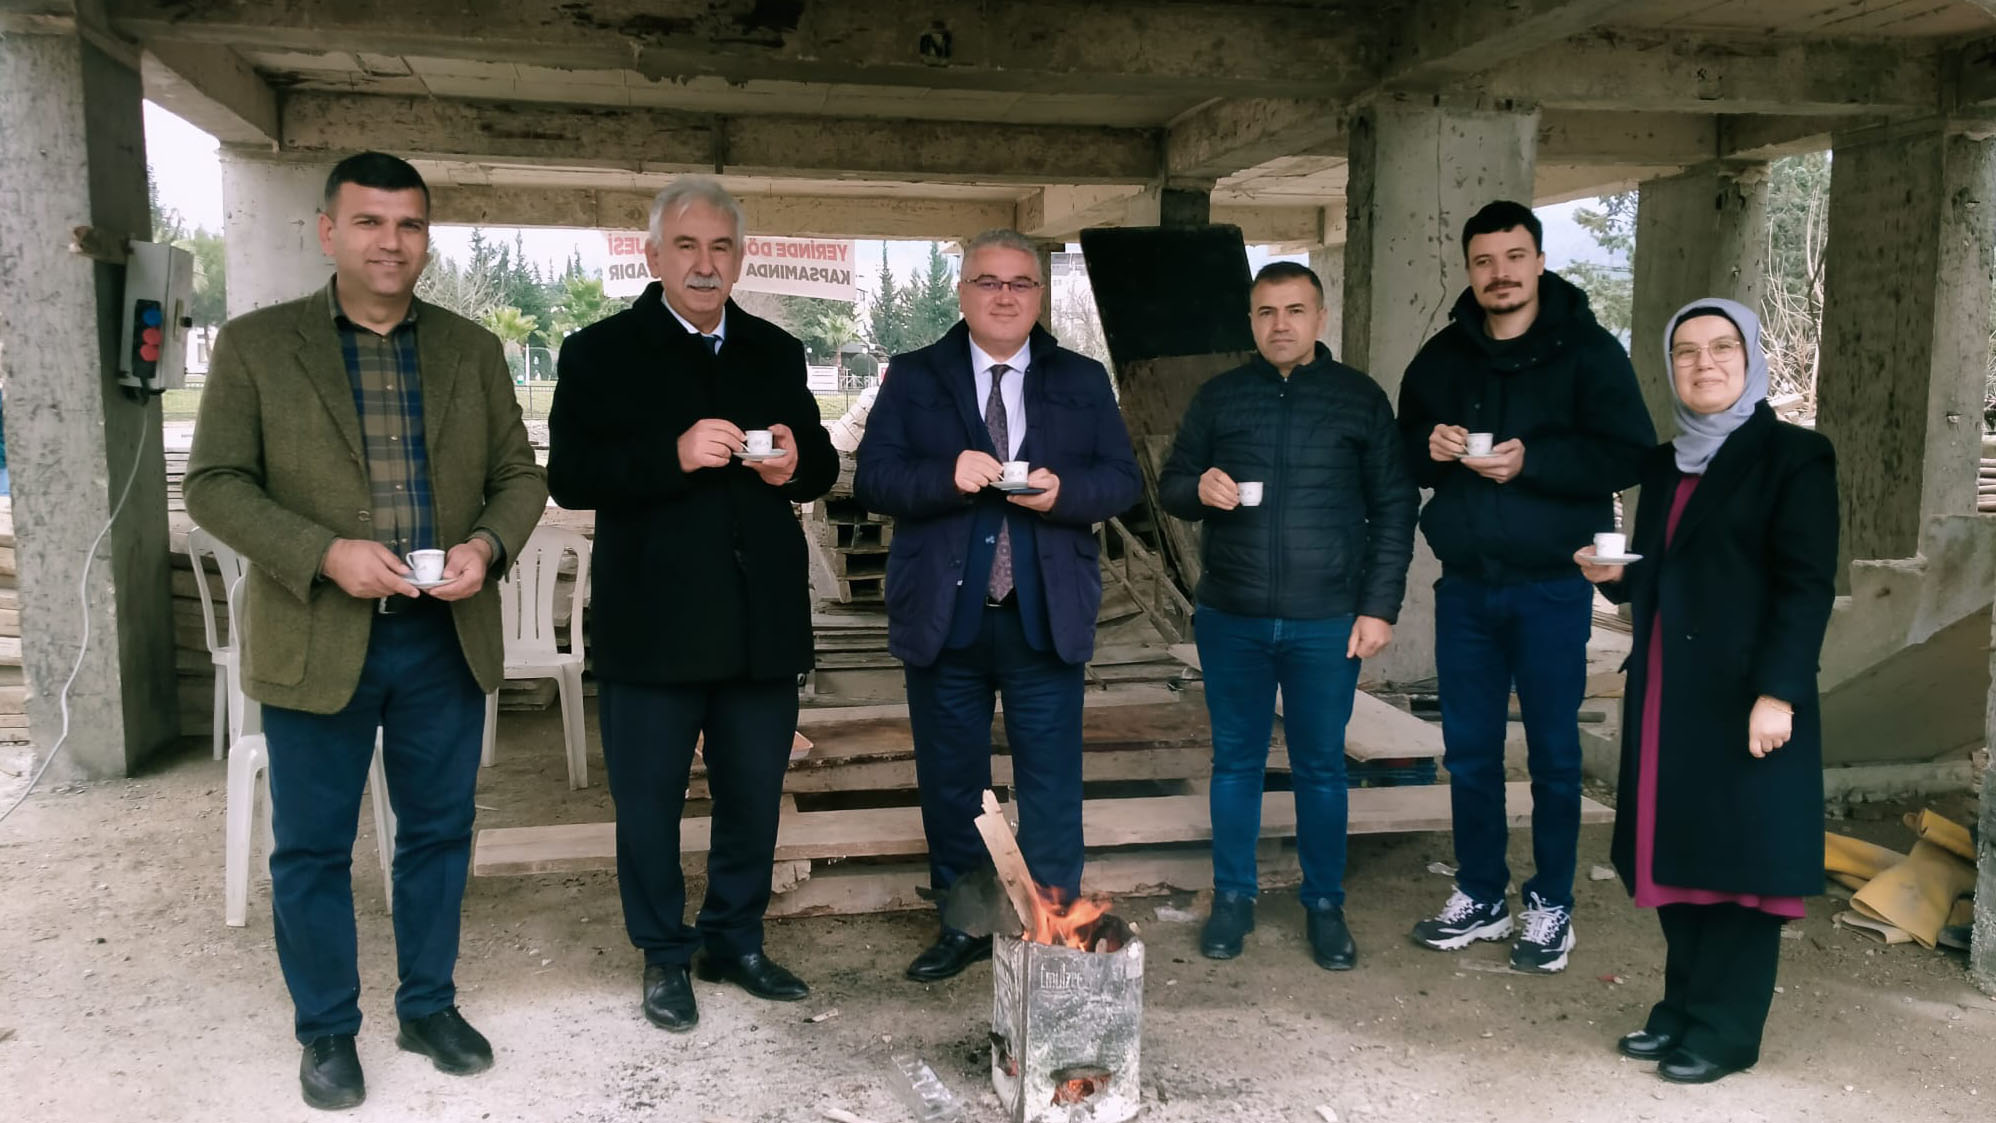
<point>339,435</point>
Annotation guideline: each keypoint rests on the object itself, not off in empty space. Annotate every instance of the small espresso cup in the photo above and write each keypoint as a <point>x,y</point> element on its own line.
<point>1480,444</point>
<point>1611,544</point>
<point>427,566</point>
<point>758,442</point>
<point>1250,493</point>
<point>1014,471</point>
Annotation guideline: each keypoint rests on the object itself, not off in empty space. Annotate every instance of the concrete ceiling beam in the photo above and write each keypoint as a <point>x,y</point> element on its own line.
<point>666,141</point>
<point>814,216</point>
<point>1043,46</point>
<point>1676,74</point>
<point>1974,68</point>
<point>212,88</point>
<point>1438,42</point>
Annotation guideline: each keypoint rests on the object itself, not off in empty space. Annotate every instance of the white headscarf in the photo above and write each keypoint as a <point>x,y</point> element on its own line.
<point>1699,435</point>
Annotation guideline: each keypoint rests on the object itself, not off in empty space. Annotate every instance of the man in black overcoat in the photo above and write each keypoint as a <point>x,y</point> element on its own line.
<point>700,617</point>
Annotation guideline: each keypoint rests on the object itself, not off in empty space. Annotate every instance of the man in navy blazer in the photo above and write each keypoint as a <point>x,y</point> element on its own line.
<point>991,591</point>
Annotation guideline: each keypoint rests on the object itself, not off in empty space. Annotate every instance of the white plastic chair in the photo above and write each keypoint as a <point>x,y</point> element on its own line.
<point>222,639</point>
<point>526,602</point>
<point>249,779</point>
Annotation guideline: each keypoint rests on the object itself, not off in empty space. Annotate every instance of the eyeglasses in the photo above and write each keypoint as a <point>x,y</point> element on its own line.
<point>992,286</point>
<point>1721,351</point>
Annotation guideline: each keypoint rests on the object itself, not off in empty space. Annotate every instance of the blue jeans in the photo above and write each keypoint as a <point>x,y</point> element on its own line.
<point>416,688</point>
<point>1243,659</point>
<point>1488,639</point>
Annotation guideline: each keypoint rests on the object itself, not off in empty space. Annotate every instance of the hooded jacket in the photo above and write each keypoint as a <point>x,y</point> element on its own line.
<point>1565,389</point>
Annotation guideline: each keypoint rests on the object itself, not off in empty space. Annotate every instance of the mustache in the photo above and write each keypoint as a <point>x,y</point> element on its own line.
<point>703,281</point>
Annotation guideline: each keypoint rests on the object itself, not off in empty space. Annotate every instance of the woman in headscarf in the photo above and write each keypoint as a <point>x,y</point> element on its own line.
<point>1720,817</point>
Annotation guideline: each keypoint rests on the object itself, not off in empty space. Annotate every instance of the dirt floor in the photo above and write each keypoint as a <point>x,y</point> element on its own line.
<point>125,997</point>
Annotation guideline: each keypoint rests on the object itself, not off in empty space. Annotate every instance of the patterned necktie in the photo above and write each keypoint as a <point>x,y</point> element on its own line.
<point>995,421</point>
<point>713,343</point>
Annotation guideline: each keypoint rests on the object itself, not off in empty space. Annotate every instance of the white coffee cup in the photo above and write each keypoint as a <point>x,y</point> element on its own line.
<point>1480,444</point>
<point>759,442</point>
<point>1250,493</point>
<point>1611,544</point>
<point>428,566</point>
<point>1015,471</point>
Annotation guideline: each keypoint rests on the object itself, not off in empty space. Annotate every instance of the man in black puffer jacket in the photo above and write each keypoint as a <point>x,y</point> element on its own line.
<point>1524,366</point>
<point>1293,464</point>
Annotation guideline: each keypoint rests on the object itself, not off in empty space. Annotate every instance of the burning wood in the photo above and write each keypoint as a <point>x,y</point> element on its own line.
<point>1044,917</point>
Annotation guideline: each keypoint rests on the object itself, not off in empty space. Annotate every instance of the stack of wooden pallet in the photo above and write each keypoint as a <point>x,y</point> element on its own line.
<point>849,544</point>
<point>852,842</point>
<point>1985,488</point>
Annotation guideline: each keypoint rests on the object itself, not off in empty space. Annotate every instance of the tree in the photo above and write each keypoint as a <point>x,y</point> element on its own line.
<point>1791,311</point>
<point>1610,287</point>
<point>931,301</point>
<point>1077,324</point>
<point>513,328</point>
<point>580,303</point>
<point>887,318</point>
<point>822,326</point>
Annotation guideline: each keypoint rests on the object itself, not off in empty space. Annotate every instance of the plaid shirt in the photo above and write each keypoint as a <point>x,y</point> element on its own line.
<point>388,393</point>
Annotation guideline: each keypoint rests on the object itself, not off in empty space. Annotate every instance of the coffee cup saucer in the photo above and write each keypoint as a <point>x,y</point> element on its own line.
<point>429,584</point>
<point>1472,461</point>
<point>1019,488</point>
<point>745,455</point>
<point>1613,559</point>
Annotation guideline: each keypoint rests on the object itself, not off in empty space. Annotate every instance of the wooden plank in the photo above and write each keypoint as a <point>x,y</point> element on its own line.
<point>854,890</point>
<point>1007,860</point>
<point>897,831</point>
<point>1378,730</point>
<point>1138,694</point>
<point>1104,765</point>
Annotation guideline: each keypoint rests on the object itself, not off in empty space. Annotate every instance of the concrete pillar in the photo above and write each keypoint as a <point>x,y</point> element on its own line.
<point>1982,949</point>
<point>1418,171</point>
<point>1046,252</point>
<point>1906,321</point>
<point>1185,206</point>
<point>270,228</point>
<point>72,153</point>
<point>1701,233</point>
<point>1328,263</point>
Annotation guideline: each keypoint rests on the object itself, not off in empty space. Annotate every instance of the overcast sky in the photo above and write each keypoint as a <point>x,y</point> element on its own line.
<point>184,162</point>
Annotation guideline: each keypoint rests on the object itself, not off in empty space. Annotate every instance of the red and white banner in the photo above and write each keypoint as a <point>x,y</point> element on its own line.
<point>819,267</point>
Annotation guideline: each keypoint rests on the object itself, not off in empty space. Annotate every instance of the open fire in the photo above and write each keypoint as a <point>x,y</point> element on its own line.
<point>1067,1000</point>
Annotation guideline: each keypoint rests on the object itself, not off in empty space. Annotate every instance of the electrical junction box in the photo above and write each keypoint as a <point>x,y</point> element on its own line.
<point>159,292</point>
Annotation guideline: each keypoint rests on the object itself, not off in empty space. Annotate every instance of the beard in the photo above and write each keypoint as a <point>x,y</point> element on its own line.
<point>1503,301</point>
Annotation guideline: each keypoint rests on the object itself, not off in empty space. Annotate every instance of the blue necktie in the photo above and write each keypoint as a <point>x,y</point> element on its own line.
<point>713,342</point>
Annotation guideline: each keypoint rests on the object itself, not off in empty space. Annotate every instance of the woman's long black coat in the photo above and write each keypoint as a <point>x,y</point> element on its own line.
<point>1745,592</point>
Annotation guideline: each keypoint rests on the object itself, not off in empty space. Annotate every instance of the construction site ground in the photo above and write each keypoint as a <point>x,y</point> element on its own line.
<point>125,998</point>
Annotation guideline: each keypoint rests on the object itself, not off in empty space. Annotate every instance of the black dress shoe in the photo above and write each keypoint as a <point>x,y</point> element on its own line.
<point>668,1000</point>
<point>448,1040</point>
<point>754,973</point>
<point>948,956</point>
<point>1231,920</point>
<point>1330,940</point>
<point>329,1073</point>
<point>1646,1046</point>
<point>1683,1066</point>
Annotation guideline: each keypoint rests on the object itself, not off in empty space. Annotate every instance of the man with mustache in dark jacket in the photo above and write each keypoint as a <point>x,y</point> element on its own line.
<point>1293,465</point>
<point>1523,366</point>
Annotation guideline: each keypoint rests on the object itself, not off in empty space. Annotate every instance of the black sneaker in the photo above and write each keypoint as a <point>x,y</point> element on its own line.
<point>1547,938</point>
<point>1232,919</point>
<point>1463,921</point>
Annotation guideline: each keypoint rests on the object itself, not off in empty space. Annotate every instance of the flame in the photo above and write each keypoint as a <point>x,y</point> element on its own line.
<point>1069,924</point>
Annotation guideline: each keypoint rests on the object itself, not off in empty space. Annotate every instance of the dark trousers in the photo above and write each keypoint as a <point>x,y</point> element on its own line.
<point>416,689</point>
<point>1718,979</point>
<point>1243,659</point>
<point>1489,639</point>
<point>950,703</point>
<point>648,737</point>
